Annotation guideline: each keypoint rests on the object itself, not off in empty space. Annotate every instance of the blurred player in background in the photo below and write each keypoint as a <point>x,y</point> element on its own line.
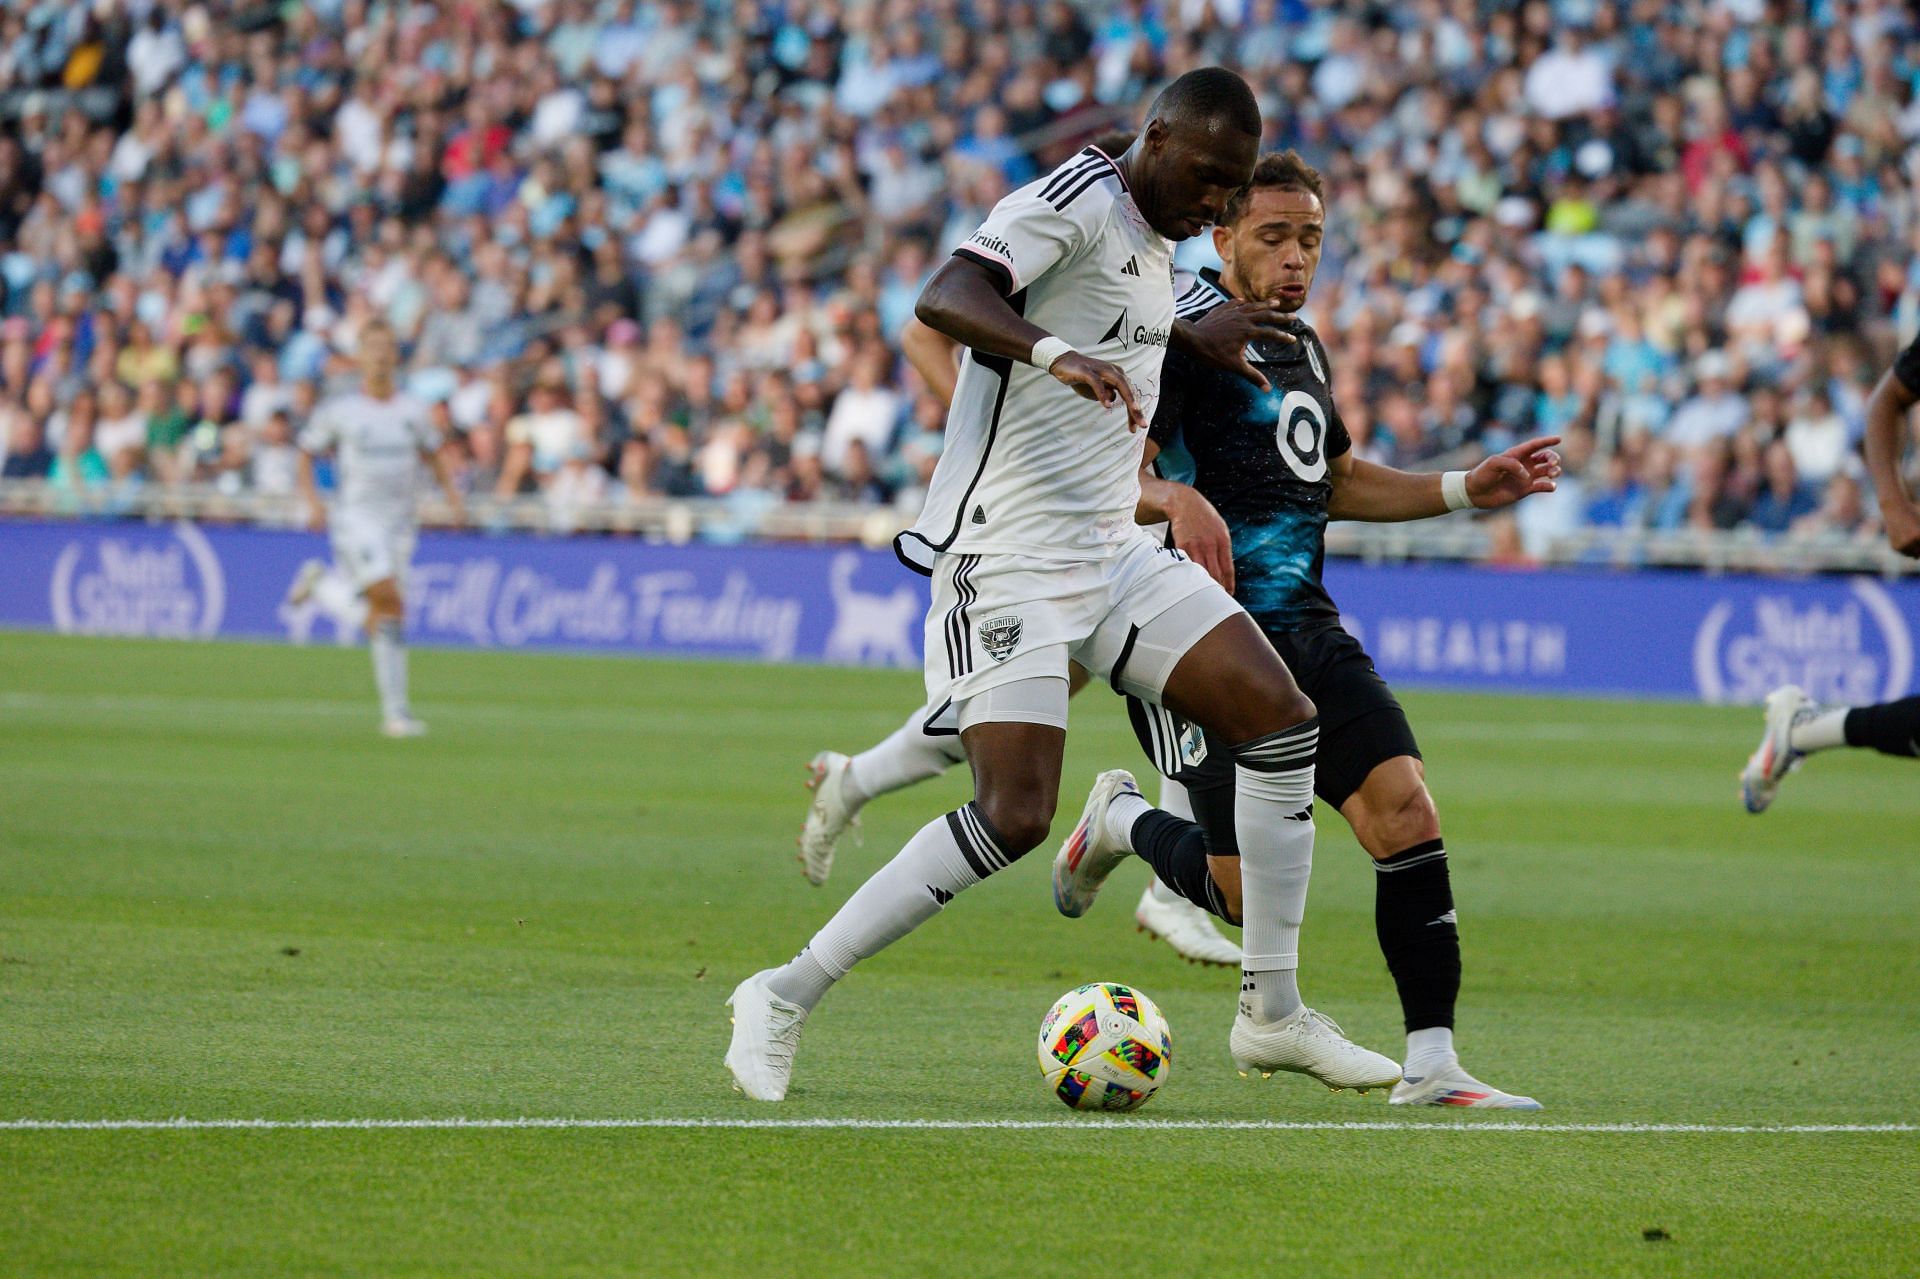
<point>1277,463</point>
<point>1796,728</point>
<point>382,440</point>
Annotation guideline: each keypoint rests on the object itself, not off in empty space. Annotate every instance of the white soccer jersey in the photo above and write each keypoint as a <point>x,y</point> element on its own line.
<point>377,446</point>
<point>1030,467</point>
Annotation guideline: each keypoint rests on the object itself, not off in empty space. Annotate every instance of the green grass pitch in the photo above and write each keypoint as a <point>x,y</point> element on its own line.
<point>222,895</point>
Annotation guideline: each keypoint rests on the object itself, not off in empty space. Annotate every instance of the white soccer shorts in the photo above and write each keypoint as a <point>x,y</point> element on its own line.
<point>1128,618</point>
<point>368,551</point>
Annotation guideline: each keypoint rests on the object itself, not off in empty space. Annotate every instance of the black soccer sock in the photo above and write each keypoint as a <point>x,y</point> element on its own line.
<point>1892,728</point>
<point>1413,915</point>
<point>1177,851</point>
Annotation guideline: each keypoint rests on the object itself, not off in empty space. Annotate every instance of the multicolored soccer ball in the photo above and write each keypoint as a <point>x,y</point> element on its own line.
<point>1105,1047</point>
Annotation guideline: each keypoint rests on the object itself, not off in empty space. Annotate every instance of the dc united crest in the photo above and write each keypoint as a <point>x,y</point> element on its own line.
<point>1000,636</point>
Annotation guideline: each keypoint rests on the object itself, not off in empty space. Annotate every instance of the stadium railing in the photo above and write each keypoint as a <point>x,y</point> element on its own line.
<point>682,520</point>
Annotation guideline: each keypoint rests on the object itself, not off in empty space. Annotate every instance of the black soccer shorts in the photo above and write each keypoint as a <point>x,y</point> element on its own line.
<point>1362,724</point>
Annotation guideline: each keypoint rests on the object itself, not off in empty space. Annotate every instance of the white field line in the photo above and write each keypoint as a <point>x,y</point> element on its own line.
<point>934,1125</point>
<point>201,708</point>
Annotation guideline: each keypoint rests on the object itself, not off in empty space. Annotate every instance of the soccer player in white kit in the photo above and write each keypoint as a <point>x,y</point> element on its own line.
<point>382,440</point>
<point>1029,536</point>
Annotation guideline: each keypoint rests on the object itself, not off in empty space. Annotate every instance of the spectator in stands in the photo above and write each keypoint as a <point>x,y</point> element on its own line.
<point>28,457</point>
<point>1784,499</point>
<point>1570,212</point>
<point>865,412</point>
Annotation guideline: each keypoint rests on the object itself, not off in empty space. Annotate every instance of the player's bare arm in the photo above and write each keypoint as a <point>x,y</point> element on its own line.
<point>1887,411</point>
<point>963,301</point>
<point>1198,531</point>
<point>1378,494</point>
<point>934,356</point>
<point>310,493</point>
<point>436,460</point>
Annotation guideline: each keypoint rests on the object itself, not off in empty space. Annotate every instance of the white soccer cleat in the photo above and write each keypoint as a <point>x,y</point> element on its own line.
<point>1186,928</point>
<point>1453,1086</point>
<point>1092,851</point>
<point>304,581</point>
<point>403,726</point>
<point>829,814</point>
<point>1775,757</point>
<point>1308,1043</point>
<point>766,1031</point>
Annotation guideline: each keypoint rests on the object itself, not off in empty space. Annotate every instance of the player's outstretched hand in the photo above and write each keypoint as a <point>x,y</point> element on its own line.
<point>1222,335</point>
<point>1521,471</point>
<point>1903,529</point>
<point>1102,382</point>
<point>1200,534</point>
<point>316,517</point>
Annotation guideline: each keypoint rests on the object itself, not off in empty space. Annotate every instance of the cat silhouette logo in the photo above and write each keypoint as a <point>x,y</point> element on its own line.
<point>1000,636</point>
<point>870,629</point>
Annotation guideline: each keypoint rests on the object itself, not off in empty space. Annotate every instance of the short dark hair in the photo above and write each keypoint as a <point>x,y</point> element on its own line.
<point>1209,93</point>
<point>1276,171</point>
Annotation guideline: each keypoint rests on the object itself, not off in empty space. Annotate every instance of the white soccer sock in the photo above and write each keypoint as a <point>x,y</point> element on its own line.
<point>1429,1049</point>
<point>337,599</point>
<point>1820,731</point>
<point>949,855</point>
<point>1273,815</point>
<point>1125,809</point>
<point>908,755</point>
<point>390,669</point>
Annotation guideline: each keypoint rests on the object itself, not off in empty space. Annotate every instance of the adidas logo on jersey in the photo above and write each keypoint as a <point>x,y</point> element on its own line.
<point>1131,268</point>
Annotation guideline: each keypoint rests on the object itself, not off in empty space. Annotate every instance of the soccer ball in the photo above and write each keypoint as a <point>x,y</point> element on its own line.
<point>1105,1047</point>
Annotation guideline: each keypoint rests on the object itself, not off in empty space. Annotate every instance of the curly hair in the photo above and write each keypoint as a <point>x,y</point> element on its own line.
<point>1282,171</point>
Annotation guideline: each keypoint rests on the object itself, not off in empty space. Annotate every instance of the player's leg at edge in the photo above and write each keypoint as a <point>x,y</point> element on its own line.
<point>1797,728</point>
<point>844,784</point>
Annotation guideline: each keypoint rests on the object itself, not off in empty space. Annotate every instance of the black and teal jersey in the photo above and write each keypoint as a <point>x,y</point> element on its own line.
<point>1261,458</point>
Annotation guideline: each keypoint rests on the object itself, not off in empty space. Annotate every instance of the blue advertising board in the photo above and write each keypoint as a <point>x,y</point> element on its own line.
<point>1688,635</point>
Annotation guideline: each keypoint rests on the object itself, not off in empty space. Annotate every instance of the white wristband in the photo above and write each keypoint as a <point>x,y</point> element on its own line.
<point>1047,350</point>
<point>1453,487</point>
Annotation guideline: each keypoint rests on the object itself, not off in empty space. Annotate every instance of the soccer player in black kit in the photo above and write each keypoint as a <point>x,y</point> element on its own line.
<point>1277,463</point>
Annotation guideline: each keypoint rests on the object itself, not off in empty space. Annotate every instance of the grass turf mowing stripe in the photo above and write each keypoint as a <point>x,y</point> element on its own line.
<point>1150,1125</point>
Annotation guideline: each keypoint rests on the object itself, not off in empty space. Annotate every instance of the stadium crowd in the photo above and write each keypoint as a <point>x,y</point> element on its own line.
<point>669,248</point>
